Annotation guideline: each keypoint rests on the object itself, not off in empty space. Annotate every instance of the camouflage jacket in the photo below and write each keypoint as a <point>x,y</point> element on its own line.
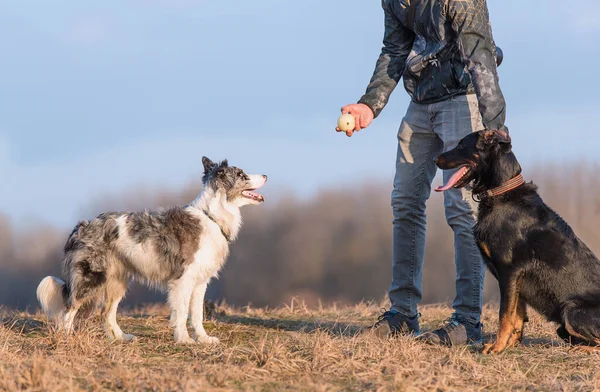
<point>441,48</point>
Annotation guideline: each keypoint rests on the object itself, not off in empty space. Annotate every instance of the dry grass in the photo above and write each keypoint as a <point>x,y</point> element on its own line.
<point>290,348</point>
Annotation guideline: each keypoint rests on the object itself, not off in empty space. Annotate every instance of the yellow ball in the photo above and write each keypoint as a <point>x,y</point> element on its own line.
<point>346,122</point>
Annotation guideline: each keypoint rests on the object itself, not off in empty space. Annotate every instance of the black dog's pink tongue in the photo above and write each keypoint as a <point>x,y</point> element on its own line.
<point>453,180</point>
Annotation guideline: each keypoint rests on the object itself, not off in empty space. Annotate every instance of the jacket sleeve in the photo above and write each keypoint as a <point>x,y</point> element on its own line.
<point>397,43</point>
<point>470,21</point>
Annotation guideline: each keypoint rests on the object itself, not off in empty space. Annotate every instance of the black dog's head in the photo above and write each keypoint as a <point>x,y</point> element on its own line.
<point>483,157</point>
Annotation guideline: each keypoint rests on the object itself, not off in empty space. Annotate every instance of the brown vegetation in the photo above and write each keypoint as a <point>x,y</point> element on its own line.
<point>289,348</point>
<point>335,246</point>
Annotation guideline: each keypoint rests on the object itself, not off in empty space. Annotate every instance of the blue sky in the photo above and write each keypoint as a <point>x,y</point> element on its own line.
<point>99,97</point>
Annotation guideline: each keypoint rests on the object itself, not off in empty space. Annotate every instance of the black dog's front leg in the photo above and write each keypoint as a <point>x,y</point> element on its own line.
<point>520,319</point>
<point>509,313</point>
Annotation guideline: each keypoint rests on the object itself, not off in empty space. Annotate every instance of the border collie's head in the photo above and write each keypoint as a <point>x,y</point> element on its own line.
<point>237,186</point>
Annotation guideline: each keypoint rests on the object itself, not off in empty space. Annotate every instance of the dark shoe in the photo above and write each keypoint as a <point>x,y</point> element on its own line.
<point>392,323</point>
<point>454,332</point>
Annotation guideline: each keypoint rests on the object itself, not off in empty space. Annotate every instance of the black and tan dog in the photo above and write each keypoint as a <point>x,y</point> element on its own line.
<point>535,255</point>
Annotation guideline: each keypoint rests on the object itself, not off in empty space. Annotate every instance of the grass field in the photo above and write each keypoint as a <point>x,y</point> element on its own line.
<point>290,348</point>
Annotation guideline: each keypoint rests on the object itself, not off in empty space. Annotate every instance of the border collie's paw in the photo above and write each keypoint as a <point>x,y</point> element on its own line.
<point>207,339</point>
<point>128,337</point>
<point>184,340</point>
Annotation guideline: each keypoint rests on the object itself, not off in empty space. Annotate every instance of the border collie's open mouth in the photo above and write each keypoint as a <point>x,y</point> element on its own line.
<point>455,180</point>
<point>253,195</point>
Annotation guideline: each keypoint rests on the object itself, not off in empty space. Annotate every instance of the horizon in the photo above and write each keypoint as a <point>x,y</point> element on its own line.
<point>99,102</point>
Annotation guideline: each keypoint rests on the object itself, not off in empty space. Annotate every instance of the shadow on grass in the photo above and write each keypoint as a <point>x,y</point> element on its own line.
<point>530,341</point>
<point>21,324</point>
<point>306,326</point>
<point>533,342</point>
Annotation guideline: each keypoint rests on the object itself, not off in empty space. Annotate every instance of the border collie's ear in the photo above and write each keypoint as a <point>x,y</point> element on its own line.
<point>208,164</point>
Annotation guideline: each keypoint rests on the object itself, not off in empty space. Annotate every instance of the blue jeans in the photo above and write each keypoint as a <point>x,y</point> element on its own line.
<point>426,131</point>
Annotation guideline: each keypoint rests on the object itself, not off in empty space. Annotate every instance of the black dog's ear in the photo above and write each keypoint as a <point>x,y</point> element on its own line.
<point>496,137</point>
<point>208,164</point>
<point>503,137</point>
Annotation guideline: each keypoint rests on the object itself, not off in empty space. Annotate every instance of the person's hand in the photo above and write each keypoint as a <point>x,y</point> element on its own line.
<point>363,116</point>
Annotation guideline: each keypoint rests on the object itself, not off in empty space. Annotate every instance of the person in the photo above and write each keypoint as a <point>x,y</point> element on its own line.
<point>446,55</point>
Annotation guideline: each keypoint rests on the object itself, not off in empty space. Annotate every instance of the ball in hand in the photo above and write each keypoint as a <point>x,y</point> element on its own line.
<point>346,123</point>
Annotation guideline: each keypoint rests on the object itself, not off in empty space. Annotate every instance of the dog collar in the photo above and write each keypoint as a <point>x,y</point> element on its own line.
<point>507,186</point>
<point>212,218</point>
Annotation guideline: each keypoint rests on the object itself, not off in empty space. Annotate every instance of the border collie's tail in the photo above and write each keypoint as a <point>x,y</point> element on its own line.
<point>52,294</point>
